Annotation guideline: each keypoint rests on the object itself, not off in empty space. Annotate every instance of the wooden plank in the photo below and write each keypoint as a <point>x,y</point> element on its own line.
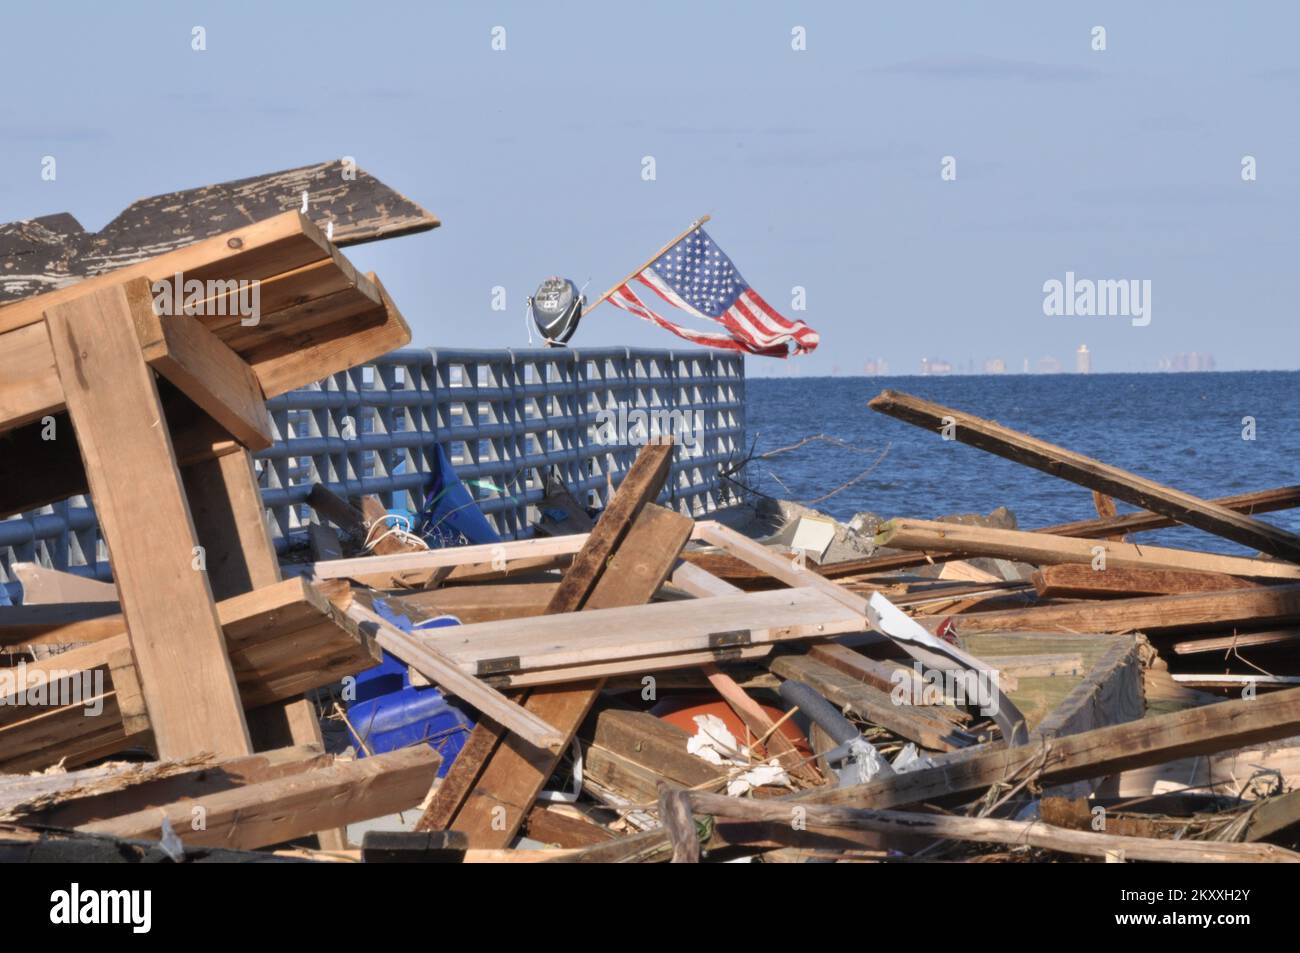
<point>488,602</point>
<point>1043,549</point>
<point>231,523</point>
<point>657,746</point>
<point>1090,473</point>
<point>1259,501</point>
<point>994,831</point>
<point>794,574</point>
<point>282,640</point>
<point>188,682</point>
<point>1261,606</point>
<point>1110,694</point>
<point>485,740</point>
<point>437,668</point>
<point>339,511</point>
<point>160,783</point>
<point>271,812</point>
<point>512,779</point>
<point>21,846</point>
<point>549,826</point>
<point>208,372</point>
<point>1238,640</point>
<point>29,383</point>
<point>639,488</point>
<point>295,360</point>
<point>1082,582</point>
<point>511,555</point>
<point>665,628</point>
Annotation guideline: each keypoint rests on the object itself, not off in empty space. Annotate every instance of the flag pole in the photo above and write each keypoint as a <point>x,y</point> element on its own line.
<point>641,267</point>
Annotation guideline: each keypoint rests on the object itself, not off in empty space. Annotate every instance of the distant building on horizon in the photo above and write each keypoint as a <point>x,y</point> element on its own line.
<point>995,365</point>
<point>1049,365</point>
<point>929,367</point>
<point>876,367</point>
<point>1083,360</point>
<point>1194,361</point>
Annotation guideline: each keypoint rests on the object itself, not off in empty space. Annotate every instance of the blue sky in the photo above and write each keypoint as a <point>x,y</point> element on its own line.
<point>821,168</point>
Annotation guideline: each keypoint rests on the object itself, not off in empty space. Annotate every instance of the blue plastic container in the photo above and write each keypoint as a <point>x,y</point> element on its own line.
<point>390,713</point>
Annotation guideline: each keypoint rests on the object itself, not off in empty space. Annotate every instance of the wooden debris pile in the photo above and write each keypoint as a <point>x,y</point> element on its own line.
<point>651,688</point>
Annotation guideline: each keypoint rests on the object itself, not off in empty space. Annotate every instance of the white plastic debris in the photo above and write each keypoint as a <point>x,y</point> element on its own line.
<point>170,843</point>
<point>863,763</point>
<point>910,759</point>
<point>714,743</point>
<point>756,777</point>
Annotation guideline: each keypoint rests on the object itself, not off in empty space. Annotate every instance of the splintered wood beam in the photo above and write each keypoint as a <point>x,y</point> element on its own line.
<point>152,785</point>
<point>992,831</point>
<point>1089,754</point>
<point>189,685</point>
<point>1255,607</point>
<point>1260,501</point>
<point>1045,549</point>
<point>1093,474</point>
<point>1082,582</point>
<point>206,371</point>
<point>273,811</point>
<point>1238,640</point>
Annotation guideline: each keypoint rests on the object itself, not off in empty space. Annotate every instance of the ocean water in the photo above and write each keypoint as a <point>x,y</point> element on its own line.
<point>1183,430</point>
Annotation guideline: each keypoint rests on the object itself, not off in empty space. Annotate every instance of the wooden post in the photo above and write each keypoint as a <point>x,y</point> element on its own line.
<point>231,523</point>
<point>112,399</point>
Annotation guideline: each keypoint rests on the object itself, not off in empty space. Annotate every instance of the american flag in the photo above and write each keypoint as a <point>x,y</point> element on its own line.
<point>697,277</point>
